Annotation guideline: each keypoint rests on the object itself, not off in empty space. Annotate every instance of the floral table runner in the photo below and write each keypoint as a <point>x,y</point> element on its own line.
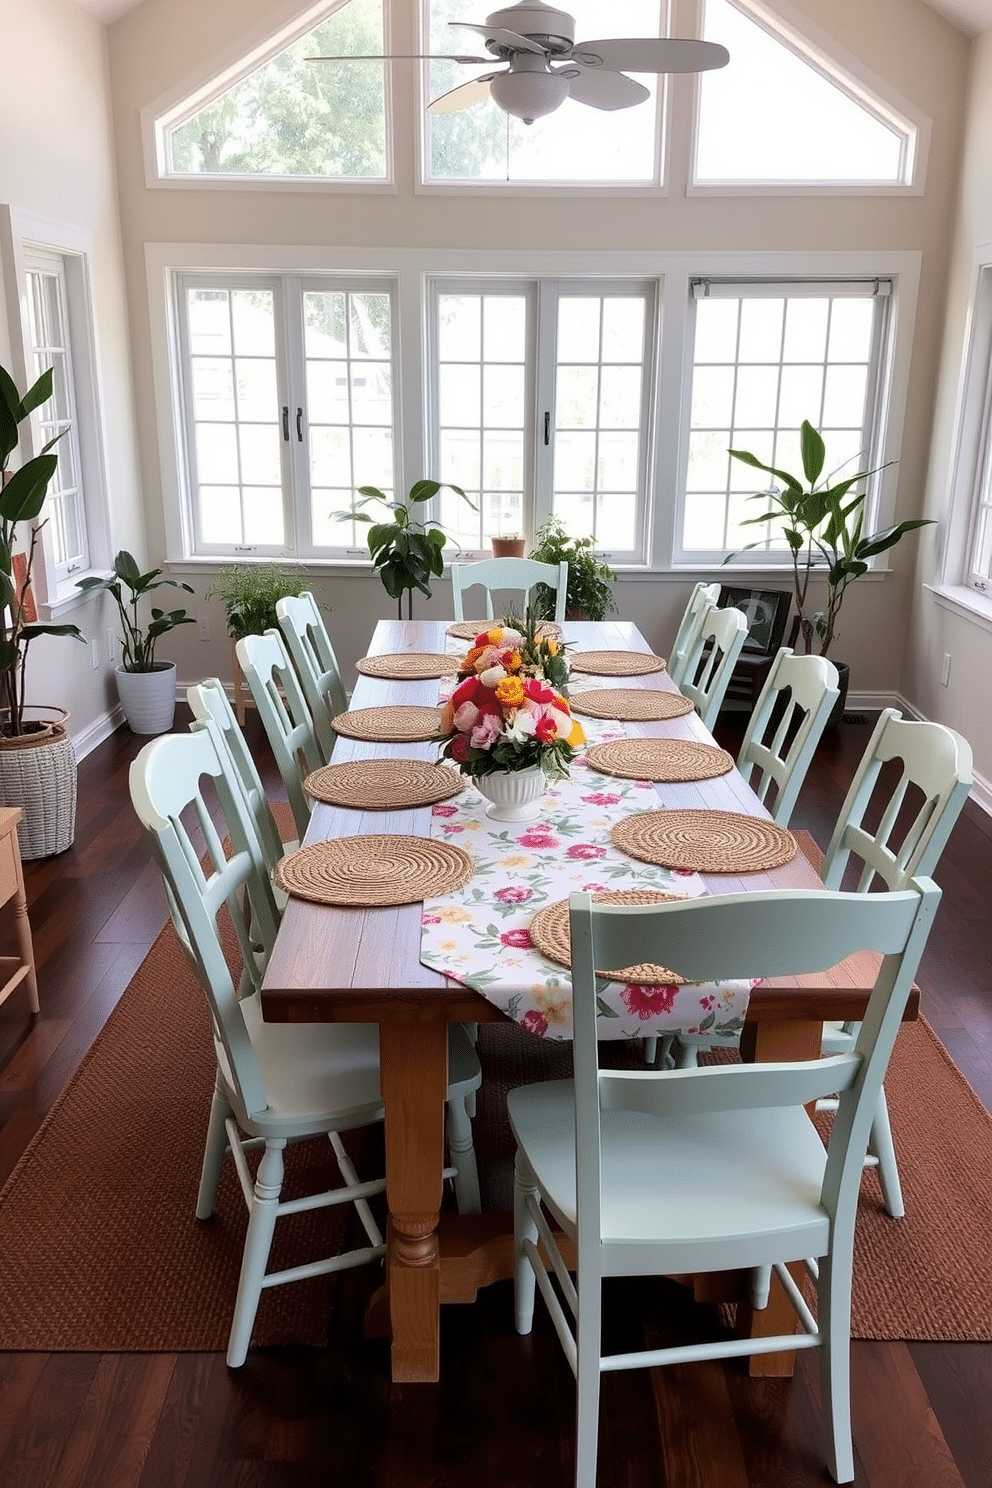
<point>479,935</point>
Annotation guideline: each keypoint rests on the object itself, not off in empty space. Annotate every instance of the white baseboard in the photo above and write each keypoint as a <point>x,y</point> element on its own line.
<point>108,723</point>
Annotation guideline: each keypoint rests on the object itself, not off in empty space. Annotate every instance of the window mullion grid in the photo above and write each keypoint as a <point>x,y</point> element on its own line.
<point>545,400</point>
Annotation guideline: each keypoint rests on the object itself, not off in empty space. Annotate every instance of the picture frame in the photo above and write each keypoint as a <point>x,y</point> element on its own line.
<point>767,612</point>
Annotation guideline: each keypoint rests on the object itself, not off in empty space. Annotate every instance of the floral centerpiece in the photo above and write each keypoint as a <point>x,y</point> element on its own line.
<point>508,714</point>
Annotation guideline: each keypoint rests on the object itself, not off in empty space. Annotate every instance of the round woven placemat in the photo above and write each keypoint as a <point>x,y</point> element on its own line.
<point>660,759</point>
<point>375,870</point>
<point>408,666</point>
<point>383,784</point>
<point>467,630</point>
<point>398,724</point>
<point>549,932</point>
<point>630,704</point>
<point>705,841</point>
<point>617,663</point>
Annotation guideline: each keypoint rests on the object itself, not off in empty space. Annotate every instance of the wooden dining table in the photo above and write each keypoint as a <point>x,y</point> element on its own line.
<point>363,965</point>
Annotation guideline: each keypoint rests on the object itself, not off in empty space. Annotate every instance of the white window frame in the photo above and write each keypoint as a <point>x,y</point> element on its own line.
<point>794,30</point>
<point>733,288</point>
<point>247,53</point>
<point>971,470</point>
<point>413,271</point>
<point>288,291</point>
<point>26,240</point>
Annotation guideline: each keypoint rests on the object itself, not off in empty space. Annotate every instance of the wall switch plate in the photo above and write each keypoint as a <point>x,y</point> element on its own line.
<point>95,655</point>
<point>945,671</point>
<point>203,626</point>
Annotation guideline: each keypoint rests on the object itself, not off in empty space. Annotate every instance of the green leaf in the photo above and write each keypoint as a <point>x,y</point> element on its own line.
<point>782,475</point>
<point>887,537</point>
<point>24,494</point>
<point>813,451</point>
<point>424,490</point>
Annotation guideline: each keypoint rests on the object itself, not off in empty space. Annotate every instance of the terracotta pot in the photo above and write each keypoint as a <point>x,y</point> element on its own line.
<point>508,547</point>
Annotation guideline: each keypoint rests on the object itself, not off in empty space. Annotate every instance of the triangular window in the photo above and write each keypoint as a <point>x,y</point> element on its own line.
<point>782,112</point>
<point>276,114</point>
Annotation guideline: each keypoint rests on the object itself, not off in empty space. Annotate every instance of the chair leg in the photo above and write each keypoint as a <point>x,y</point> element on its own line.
<point>834,1299</point>
<point>462,1150</point>
<point>686,1055</point>
<point>258,1242</point>
<point>214,1151</point>
<point>472,1030</point>
<point>524,1228</point>
<point>587,1375</point>
<point>880,1144</point>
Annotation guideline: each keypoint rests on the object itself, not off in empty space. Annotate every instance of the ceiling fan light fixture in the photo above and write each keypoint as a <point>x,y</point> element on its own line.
<point>529,95</point>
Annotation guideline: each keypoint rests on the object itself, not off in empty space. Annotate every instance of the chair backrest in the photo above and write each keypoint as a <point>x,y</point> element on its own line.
<point>785,727</point>
<point>285,715</point>
<point>701,597</point>
<point>710,659</point>
<point>518,574</point>
<point>211,710</point>
<point>754,935</point>
<point>166,778</point>
<point>309,645</point>
<point>937,762</point>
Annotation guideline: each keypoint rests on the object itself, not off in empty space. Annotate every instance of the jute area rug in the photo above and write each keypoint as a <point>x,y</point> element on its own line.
<point>101,1250</point>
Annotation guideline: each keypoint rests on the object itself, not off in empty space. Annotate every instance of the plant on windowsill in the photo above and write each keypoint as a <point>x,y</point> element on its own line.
<point>147,687</point>
<point>37,761</point>
<point>589,595</point>
<point>823,525</point>
<point>250,592</point>
<point>406,552</point>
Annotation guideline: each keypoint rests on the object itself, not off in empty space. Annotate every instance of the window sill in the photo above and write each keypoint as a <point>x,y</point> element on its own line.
<point>963,601</point>
<point>70,598</point>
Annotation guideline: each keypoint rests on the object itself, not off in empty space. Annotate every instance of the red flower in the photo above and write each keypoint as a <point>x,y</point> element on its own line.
<point>459,748</point>
<point>519,938</point>
<point>647,1001</point>
<point>537,692</point>
<point>444,811</point>
<point>534,1022</point>
<point>537,837</point>
<point>466,691</point>
<point>513,894</point>
<point>546,730</point>
<point>579,851</point>
<point>601,798</point>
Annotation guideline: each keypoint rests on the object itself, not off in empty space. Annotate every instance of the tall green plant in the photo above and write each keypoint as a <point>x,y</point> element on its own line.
<point>250,592</point>
<point>138,640</point>
<point>21,500</point>
<point>824,528</point>
<point>406,552</point>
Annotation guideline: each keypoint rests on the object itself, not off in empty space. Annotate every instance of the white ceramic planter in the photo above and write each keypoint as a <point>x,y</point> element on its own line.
<point>148,698</point>
<point>514,795</point>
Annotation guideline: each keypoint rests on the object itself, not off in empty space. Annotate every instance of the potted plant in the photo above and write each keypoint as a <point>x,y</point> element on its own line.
<point>406,552</point>
<point>589,595</point>
<point>249,593</point>
<point>823,524</point>
<point>147,687</point>
<point>37,761</point>
<point>508,545</point>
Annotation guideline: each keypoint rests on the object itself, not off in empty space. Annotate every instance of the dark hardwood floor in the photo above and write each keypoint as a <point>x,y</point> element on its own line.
<point>503,1411</point>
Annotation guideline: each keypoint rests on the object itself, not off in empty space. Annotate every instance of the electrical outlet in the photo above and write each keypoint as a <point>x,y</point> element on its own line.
<point>95,655</point>
<point>112,649</point>
<point>945,671</point>
<point>203,625</point>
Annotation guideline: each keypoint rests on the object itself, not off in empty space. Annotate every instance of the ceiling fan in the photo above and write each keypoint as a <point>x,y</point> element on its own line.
<point>545,64</point>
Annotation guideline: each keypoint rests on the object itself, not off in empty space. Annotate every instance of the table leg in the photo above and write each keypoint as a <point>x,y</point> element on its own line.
<point>414,1065</point>
<point>764,1042</point>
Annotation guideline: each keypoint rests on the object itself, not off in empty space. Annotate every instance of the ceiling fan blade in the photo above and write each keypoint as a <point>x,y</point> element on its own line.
<point>602,89</point>
<point>510,39</point>
<point>405,57</point>
<point>462,97</point>
<point>650,54</point>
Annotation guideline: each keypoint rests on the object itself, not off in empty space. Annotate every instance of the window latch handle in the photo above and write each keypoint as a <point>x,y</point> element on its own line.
<point>299,425</point>
<point>547,427</point>
<point>285,423</point>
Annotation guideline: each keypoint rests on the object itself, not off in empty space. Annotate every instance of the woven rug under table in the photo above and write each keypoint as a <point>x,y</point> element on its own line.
<point>102,1251</point>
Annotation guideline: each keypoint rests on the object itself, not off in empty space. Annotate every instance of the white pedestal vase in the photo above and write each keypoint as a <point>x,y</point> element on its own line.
<point>148,698</point>
<point>514,795</point>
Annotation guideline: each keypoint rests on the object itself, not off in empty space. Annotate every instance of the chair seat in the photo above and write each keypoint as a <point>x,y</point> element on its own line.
<point>737,1188</point>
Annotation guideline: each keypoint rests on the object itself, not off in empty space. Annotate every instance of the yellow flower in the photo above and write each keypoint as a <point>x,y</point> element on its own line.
<point>493,636</point>
<point>515,860</point>
<point>554,1002</point>
<point>552,645</point>
<point>447,945</point>
<point>510,692</point>
<point>512,661</point>
<point>451,914</point>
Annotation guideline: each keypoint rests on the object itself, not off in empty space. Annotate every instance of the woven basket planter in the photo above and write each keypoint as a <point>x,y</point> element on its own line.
<point>38,773</point>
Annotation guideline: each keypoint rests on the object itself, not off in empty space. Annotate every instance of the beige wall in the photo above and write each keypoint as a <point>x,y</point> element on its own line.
<point>936,630</point>
<point>164,43</point>
<point>57,162</point>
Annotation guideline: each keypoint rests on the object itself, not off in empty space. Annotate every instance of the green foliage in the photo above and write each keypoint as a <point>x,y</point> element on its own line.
<point>589,579</point>
<point>21,500</point>
<point>542,656</point>
<point>138,641</point>
<point>406,552</point>
<point>824,528</point>
<point>249,593</point>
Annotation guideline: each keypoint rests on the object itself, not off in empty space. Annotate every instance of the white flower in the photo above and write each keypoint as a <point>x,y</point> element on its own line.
<point>492,676</point>
<point>521,726</point>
